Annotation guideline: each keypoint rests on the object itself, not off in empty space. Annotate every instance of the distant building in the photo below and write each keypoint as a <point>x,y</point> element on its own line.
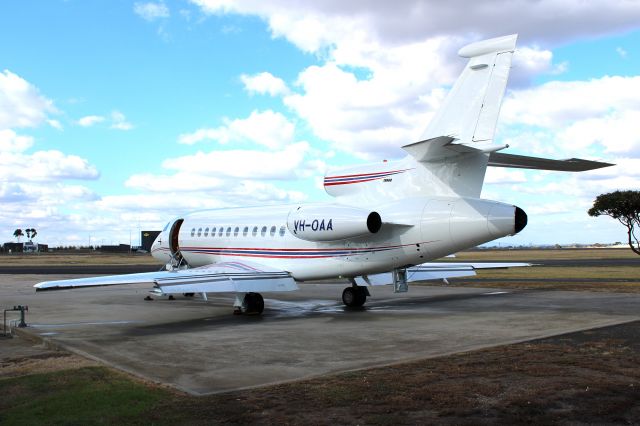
<point>147,238</point>
<point>13,247</point>
<point>120,248</point>
<point>28,247</point>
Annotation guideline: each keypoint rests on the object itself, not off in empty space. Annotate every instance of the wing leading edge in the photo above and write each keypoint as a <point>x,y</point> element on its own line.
<point>216,278</point>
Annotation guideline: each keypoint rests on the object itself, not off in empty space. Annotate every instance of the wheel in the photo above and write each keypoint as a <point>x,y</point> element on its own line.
<point>354,297</point>
<point>188,294</point>
<point>253,303</point>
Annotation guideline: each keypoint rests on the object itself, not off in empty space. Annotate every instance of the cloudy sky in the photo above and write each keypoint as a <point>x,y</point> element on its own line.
<point>116,116</point>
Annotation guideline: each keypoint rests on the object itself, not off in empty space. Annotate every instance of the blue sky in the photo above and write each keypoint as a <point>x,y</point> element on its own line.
<point>116,116</point>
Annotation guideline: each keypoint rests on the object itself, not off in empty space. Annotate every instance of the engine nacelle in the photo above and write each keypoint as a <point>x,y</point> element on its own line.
<point>452,224</point>
<point>332,222</point>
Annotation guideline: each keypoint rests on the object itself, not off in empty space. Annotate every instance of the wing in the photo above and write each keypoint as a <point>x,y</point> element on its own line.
<point>436,271</point>
<point>242,277</point>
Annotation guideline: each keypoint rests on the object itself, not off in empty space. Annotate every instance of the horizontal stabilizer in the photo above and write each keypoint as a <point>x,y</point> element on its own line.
<point>441,147</point>
<point>497,159</point>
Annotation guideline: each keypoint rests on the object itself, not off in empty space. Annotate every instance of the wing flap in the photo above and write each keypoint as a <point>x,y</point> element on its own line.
<point>211,280</point>
<point>435,271</point>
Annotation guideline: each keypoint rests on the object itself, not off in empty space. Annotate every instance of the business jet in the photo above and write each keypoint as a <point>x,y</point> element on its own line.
<point>385,224</point>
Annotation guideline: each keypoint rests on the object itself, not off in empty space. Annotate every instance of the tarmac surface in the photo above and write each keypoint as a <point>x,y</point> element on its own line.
<point>201,348</point>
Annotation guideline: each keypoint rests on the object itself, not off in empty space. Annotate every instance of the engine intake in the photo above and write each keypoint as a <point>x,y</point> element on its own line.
<point>332,222</point>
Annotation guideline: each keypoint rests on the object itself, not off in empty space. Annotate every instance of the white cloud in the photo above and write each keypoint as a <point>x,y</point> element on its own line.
<point>12,142</point>
<point>552,208</point>
<point>119,121</point>
<point>385,64</point>
<point>243,163</point>
<point>620,51</point>
<point>264,83</point>
<point>504,176</point>
<point>314,25</point>
<point>267,128</point>
<point>178,182</point>
<point>49,194</point>
<point>559,103</point>
<point>21,104</point>
<point>593,119</point>
<point>236,192</point>
<point>43,166</point>
<point>90,120</point>
<point>151,11</point>
<point>529,62</point>
<point>55,124</point>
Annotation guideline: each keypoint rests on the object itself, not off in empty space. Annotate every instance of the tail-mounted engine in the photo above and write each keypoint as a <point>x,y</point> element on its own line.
<point>332,222</point>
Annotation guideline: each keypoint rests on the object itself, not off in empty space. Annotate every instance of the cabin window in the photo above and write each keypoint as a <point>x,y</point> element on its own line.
<point>213,231</point>
<point>245,231</point>
<point>273,231</point>
<point>282,231</point>
<point>221,231</point>
<point>235,231</point>
<point>228,231</point>
<point>206,232</point>
<point>199,232</point>
<point>264,231</point>
<point>255,231</point>
<point>193,232</point>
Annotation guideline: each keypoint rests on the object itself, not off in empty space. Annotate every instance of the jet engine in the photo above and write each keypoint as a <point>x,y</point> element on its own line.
<point>332,222</point>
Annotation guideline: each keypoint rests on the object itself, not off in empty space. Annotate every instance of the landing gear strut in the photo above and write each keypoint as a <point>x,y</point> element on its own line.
<point>355,296</point>
<point>250,303</point>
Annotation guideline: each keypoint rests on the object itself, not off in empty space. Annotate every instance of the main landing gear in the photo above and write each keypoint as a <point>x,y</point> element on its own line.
<point>355,296</point>
<point>248,303</point>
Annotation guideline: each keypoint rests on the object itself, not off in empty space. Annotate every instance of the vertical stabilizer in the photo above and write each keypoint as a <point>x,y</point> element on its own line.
<point>452,157</point>
<point>470,111</point>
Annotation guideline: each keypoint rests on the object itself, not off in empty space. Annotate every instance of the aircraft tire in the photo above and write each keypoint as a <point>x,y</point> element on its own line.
<point>188,294</point>
<point>354,297</point>
<point>253,303</point>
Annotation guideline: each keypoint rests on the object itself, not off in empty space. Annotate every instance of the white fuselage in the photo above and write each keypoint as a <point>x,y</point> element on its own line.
<point>413,231</point>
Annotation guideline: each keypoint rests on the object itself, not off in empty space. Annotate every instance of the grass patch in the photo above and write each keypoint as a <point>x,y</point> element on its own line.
<point>86,259</point>
<point>533,255</point>
<point>566,272</point>
<point>91,395</point>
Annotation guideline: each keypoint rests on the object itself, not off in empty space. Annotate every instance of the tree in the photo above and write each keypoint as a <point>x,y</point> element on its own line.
<point>33,233</point>
<point>623,206</point>
<point>18,233</point>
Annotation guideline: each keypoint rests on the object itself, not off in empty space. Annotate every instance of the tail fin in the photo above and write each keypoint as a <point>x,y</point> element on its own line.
<point>452,158</point>
<point>457,146</point>
<point>457,142</point>
<point>470,112</point>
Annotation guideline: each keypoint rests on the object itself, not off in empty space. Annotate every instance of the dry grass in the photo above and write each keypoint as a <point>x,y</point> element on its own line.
<point>42,363</point>
<point>533,255</point>
<point>87,259</point>
<point>576,278</point>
